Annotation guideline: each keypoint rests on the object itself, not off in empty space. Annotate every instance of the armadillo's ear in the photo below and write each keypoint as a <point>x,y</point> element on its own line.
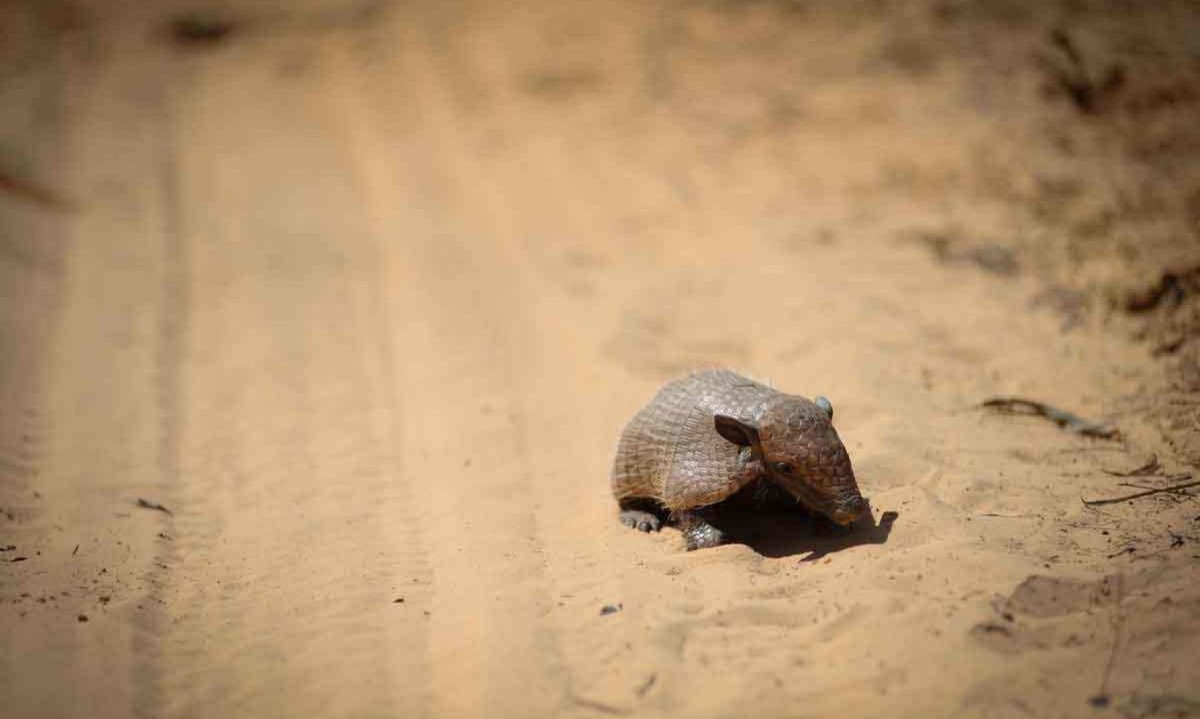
<point>825,405</point>
<point>735,430</point>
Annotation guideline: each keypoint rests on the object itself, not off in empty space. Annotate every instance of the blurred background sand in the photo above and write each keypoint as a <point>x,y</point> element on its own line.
<point>356,296</point>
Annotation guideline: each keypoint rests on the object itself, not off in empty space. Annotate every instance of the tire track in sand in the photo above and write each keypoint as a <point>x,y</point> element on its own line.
<point>96,417</point>
<point>292,536</point>
<point>465,338</point>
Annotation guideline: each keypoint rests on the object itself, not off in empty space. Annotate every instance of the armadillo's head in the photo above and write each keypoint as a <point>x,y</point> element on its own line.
<point>800,449</point>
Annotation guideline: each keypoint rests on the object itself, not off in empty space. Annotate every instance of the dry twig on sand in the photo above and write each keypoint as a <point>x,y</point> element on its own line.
<point>147,504</point>
<point>1147,493</point>
<point>1017,405</point>
<point>1149,469</point>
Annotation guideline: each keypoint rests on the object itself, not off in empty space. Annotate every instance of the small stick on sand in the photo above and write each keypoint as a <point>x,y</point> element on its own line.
<point>147,504</point>
<point>1017,405</point>
<point>1148,469</point>
<point>1147,493</point>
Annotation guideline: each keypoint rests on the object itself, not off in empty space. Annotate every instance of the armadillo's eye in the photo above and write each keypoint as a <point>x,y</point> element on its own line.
<point>782,467</point>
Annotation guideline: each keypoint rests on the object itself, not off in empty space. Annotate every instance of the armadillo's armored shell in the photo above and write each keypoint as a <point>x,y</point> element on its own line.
<point>670,452</point>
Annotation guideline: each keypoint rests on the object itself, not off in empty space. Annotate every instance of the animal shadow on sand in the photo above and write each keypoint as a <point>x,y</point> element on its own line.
<point>787,534</point>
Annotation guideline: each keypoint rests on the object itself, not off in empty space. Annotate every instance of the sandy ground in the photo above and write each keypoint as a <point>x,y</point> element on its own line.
<point>360,295</point>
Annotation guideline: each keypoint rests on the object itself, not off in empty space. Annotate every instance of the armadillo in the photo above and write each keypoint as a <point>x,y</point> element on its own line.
<point>708,436</point>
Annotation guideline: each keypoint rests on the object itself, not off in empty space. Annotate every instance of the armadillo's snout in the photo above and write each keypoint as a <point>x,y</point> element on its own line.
<point>848,511</point>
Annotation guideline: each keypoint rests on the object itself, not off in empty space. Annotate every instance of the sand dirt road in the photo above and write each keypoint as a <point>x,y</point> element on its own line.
<point>361,294</point>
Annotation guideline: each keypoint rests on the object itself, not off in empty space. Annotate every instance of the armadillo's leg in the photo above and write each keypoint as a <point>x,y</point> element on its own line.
<point>698,532</point>
<point>639,514</point>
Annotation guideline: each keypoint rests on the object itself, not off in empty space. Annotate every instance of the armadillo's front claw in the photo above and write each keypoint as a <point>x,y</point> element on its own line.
<point>640,520</point>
